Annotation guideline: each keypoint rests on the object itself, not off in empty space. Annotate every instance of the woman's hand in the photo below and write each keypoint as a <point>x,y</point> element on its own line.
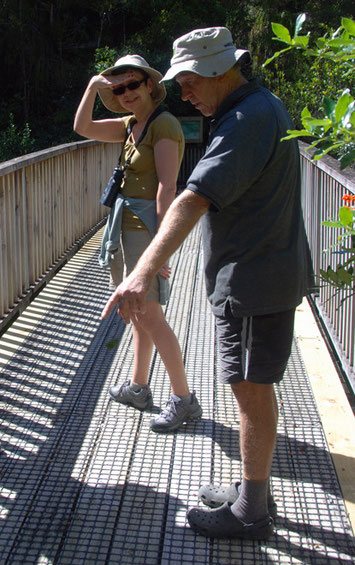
<point>165,271</point>
<point>109,81</point>
<point>111,130</point>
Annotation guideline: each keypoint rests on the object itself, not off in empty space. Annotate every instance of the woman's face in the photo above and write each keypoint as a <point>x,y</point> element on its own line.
<point>139,96</point>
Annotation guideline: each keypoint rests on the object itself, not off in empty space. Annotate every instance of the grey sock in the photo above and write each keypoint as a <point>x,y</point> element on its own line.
<point>251,504</point>
<point>270,498</point>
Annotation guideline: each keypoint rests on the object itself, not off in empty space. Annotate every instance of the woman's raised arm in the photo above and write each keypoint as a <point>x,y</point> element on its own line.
<point>102,130</point>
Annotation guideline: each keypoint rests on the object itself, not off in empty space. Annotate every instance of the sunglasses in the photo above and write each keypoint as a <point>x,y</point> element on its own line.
<point>131,86</point>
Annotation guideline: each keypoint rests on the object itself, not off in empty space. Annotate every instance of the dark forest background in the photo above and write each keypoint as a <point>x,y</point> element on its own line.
<point>50,48</point>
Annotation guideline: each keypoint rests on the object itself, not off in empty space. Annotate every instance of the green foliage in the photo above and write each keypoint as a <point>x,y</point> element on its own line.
<point>307,84</point>
<point>15,141</point>
<point>332,131</point>
<point>335,130</point>
<point>343,277</point>
<point>283,35</point>
<point>112,344</point>
<point>339,47</point>
<point>51,48</point>
<point>104,57</point>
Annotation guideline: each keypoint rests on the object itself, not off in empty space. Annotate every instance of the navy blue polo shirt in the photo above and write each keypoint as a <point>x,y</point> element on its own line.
<point>255,250</point>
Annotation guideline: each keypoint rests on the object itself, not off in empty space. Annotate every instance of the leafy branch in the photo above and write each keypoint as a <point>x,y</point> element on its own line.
<point>343,278</point>
<point>283,35</point>
<point>336,129</point>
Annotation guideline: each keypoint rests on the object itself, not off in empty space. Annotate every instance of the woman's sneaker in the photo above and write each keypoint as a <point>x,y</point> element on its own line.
<point>175,413</point>
<point>141,399</point>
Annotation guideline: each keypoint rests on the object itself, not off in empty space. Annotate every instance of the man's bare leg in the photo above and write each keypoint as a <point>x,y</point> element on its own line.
<point>258,424</point>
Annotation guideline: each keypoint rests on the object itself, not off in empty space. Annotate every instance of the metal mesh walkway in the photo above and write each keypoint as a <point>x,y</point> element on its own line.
<point>84,481</point>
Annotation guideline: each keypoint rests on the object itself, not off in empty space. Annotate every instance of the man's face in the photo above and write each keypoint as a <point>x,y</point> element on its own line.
<point>200,91</point>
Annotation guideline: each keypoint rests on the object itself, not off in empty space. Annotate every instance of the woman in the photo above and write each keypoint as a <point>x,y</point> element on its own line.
<point>151,167</point>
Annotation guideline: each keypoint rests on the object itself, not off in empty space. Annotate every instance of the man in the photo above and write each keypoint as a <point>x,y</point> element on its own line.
<point>247,188</point>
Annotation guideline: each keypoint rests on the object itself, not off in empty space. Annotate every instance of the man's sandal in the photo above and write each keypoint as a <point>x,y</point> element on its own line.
<point>221,523</point>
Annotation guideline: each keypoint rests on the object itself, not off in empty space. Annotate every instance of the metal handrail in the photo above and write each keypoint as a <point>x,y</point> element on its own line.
<point>323,186</point>
<point>49,200</point>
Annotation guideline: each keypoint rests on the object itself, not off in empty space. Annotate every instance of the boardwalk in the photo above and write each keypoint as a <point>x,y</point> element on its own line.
<point>84,481</point>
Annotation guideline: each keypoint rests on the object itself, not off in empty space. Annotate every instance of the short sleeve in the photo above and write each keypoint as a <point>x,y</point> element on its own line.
<point>238,152</point>
<point>127,119</point>
<point>165,126</point>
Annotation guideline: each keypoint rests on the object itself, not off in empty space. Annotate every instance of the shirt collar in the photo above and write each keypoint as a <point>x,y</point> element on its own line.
<point>234,98</point>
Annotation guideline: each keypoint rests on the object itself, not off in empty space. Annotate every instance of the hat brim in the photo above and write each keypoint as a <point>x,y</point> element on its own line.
<point>111,101</point>
<point>208,67</point>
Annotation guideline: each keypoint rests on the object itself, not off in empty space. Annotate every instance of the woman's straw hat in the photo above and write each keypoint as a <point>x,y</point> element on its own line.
<point>111,101</point>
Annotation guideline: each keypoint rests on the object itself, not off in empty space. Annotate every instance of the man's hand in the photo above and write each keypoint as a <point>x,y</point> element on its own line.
<point>129,297</point>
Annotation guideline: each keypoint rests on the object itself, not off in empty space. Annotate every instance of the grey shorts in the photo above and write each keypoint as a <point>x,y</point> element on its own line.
<point>133,244</point>
<point>254,348</point>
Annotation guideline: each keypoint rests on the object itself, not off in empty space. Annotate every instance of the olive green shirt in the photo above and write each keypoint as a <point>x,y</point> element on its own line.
<point>140,178</point>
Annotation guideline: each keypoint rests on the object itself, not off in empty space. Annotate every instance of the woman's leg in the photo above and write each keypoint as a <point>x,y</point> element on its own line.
<point>142,347</point>
<point>154,325</point>
<point>152,328</point>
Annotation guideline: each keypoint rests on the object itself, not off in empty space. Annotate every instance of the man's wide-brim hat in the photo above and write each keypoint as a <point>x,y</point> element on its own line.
<point>111,101</point>
<point>208,52</point>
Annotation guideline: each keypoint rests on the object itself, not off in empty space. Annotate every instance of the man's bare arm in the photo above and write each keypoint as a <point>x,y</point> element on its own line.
<point>179,220</point>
